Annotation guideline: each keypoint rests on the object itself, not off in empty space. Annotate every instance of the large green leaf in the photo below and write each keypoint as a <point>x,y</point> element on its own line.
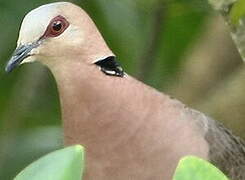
<point>193,168</point>
<point>59,165</point>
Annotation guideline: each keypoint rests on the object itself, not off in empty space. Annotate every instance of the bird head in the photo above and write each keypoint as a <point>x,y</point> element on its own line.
<point>58,32</point>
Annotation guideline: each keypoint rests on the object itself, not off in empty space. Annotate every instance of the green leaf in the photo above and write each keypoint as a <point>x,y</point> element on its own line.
<point>237,12</point>
<point>63,164</point>
<point>193,168</point>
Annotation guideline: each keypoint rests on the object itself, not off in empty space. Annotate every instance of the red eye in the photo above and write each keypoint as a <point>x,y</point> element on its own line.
<point>56,27</point>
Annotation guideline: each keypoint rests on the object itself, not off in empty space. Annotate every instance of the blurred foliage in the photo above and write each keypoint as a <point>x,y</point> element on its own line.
<point>193,168</point>
<point>154,40</point>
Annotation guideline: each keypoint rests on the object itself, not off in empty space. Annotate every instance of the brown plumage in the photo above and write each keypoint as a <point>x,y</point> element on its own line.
<point>129,130</point>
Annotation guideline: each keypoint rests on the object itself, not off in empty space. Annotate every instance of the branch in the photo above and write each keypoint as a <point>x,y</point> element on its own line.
<point>234,14</point>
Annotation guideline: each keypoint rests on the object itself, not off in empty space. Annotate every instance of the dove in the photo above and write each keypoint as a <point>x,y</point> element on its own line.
<point>129,129</point>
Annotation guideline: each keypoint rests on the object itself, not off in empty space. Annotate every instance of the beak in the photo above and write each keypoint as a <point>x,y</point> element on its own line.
<point>21,53</point>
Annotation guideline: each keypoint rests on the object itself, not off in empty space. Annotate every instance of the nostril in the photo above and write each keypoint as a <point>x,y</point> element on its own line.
<point>20,50</point>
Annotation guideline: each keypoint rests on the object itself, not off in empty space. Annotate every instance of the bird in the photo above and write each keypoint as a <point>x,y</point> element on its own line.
<point>129,129</point>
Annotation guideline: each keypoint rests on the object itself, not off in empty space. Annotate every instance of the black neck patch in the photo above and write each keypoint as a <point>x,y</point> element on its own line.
<point>110,66</point>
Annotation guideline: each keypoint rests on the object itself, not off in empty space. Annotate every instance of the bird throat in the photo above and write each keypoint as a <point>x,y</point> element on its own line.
<point>110,66</point>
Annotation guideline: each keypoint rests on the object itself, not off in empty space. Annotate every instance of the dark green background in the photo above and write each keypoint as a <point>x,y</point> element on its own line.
<point>155,41</point>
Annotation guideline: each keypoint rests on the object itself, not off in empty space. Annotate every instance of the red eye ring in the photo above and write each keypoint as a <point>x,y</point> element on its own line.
<point>56,27</point>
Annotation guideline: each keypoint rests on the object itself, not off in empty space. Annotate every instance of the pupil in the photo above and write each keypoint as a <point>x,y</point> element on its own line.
<point>57,26</point>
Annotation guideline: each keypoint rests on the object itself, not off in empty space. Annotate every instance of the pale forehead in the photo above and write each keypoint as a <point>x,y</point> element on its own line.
<point>36,21</point>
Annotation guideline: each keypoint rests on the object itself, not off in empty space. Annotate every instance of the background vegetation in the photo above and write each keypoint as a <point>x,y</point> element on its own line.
<point>181,47</point>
